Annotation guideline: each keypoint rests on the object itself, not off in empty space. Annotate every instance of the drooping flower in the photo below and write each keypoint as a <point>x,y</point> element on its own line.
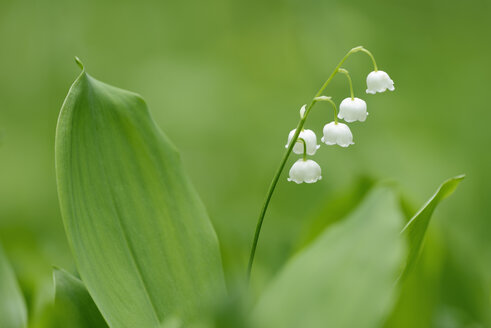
<point>310,141</point>
<point>353,110</point>
<point>379,81</point>
<point>305,171</point>
<point>337,133</point>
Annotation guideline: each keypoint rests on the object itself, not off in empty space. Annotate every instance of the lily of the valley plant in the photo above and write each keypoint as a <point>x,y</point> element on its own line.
<point>304,141</point>
<point>147,255</point>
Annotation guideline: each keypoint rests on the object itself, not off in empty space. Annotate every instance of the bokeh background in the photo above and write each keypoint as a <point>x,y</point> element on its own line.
<point>225,79</point>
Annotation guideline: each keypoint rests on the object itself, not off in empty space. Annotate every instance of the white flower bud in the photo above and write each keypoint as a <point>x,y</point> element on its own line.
<point>310,140</point>
<point>337,133</point>
<point>379,81</point>
<point>305,171</point>
<point>302,111</point>
<point>353,110</point>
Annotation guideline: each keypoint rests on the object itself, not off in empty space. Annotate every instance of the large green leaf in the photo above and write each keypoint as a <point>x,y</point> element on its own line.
<point>335,209</point>
<point>13,313</point>
<point>75,307</point>
<point>415,229</point>
<point>346,277</point>
<point>142,240</point>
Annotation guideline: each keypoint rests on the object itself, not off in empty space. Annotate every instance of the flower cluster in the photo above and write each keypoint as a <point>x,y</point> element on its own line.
<point>351,109</point>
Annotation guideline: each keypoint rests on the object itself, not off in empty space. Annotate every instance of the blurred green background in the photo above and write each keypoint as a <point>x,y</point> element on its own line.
<point>225,79</point>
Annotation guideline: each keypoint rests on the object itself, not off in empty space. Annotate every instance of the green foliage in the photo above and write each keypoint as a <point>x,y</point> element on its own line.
<point>336,209</point>
<point>415,229</point>
<point>346,277</point>
<point>148,254</point>
<point>13,312</point>
<point>142,240</point>
<point>225,79</point>
<point>75,307</point>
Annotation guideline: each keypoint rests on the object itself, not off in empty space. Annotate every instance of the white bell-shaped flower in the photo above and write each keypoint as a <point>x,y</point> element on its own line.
<point>337,133</point>
<point>310,141</point>
<point>305,170</point>
<point>379,81</point>
<point>352,110</point>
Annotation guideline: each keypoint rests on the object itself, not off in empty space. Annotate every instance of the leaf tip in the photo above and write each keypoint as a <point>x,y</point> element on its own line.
<point>460,177</point>
<point>450,185</point>
<point>79,63</point>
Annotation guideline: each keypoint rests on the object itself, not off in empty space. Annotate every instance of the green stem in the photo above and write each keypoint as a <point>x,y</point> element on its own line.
<point>375,68</point>
<point>304,148</point>
<point>288,151</point>
<point>324,98</point>
<point>345,72</point>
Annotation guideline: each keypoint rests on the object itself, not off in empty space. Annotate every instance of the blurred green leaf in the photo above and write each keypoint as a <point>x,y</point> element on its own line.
<point>142,240</point>
<point>74,306</point>
<point>13,313</point>
<point>336,209</point>
<point>415,229</point>
<point>346,277</point>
